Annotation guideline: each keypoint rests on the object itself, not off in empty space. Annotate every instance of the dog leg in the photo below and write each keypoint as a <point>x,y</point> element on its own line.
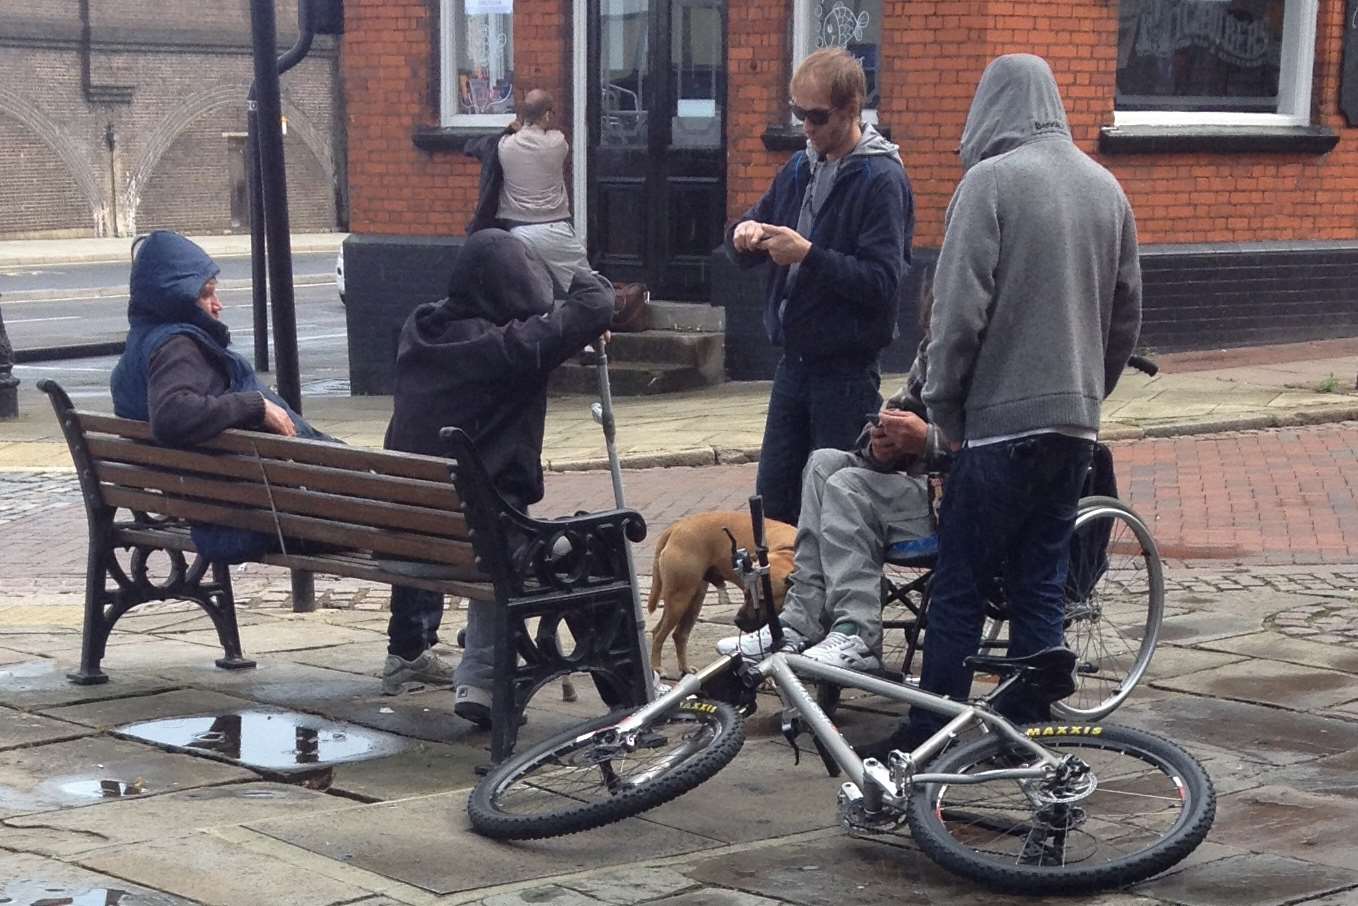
<point>658,636</point>
<point>685,627</point>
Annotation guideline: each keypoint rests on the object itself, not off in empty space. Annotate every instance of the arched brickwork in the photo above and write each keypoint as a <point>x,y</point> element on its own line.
<point>70,192</point>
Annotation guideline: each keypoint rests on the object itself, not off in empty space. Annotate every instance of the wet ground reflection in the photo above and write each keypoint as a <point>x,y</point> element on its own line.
<point>274,740</point>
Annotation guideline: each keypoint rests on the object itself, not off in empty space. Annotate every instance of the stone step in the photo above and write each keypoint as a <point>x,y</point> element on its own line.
<point>698,350</point>
<point>628,378</point>
<point>686,316</point>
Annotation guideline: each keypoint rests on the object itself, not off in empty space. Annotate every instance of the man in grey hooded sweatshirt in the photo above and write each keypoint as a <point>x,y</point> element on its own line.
<point>1037,309</point>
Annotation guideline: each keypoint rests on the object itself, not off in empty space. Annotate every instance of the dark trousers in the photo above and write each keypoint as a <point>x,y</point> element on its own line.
<point>1008,510</point>
<point>415,618</point>
<point>813,405</point>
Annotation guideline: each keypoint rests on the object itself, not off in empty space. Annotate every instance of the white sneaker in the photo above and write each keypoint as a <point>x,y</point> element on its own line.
<point>755,646</point>
<point>473,704</point>
<point>658,686</point>
<point>847,651</point>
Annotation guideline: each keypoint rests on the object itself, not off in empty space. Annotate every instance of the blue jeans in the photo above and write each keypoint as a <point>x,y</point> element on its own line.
<point>1008,510</point>
<point>813,405</point>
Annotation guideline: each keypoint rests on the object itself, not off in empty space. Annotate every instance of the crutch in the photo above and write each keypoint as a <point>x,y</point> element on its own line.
<point>603,414</point>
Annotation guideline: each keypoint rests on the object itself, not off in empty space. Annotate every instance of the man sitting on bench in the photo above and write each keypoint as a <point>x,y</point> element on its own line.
<point>855,504</point>
<point>479,360</point>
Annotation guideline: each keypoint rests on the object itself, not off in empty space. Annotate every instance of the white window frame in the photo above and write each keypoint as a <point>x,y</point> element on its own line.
<point>448,91</point>
<point>1294,83</point>
<point>803,43</point>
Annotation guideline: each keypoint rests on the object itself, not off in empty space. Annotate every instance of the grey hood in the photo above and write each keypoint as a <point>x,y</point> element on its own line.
<point>1017,101</point>
<point>871,144</point>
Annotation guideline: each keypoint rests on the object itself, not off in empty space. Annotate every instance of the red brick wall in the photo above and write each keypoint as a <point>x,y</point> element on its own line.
<point>932,55</point>
<point>390,77</point>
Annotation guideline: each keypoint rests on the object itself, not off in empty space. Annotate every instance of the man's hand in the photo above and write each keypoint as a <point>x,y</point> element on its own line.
<point>784,244</point>
<point>276,419</point>
<point>747,235</point>
<point>897,435</point>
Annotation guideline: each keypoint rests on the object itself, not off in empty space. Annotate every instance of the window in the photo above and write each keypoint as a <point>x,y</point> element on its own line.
<point>1215,62</point>
<point>477,62</point>
<point>852,24</point>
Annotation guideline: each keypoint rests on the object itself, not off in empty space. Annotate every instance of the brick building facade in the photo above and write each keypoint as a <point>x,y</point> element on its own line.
<point>117,118</point>
<point>1244,196</point>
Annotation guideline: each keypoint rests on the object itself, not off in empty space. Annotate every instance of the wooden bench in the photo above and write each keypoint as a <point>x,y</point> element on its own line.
<point>364,514</point>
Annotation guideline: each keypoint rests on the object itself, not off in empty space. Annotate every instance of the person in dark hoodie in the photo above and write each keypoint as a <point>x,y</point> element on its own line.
<point>480,360</point>
<point>1037,309</point>
<point>178,373</point>
<point>837,225</point>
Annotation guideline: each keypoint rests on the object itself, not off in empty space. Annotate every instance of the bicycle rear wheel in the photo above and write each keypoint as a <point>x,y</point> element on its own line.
<point>1115,601</point>
<point>1143,805</point>
<point>587,776</point>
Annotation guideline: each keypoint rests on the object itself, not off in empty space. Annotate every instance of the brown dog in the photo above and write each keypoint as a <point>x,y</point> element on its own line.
<point>694,552</point>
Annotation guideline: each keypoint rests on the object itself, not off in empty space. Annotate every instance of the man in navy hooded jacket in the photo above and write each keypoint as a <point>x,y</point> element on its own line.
<point>179,374</point>
<point>836,224</point>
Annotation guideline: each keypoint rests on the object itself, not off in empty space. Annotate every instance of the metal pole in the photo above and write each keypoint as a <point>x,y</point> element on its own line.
<point>263,21</point>
<point>259,289</point>
<point>604,414</point>
<point>9,384</point>
<point>269,113</point>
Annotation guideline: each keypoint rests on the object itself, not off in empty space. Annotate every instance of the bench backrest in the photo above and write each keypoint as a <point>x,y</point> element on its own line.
<point>394,505</point>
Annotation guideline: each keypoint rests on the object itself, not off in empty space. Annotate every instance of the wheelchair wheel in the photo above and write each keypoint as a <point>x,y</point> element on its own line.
<point>1115,601</point>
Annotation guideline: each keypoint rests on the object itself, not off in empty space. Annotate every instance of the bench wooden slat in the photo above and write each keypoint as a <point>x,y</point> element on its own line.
<point>385,541</point>
<point>353,510</point>
<point>312,452</point>
<point>353,566</point>
<point>280,473</point>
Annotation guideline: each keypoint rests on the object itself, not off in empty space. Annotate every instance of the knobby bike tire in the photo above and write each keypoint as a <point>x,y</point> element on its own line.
<point>986,854</point>
<point>577,749</point>
<point>1107,655</point>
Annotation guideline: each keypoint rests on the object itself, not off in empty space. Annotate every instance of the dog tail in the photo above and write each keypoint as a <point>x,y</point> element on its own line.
<point>654,599</point>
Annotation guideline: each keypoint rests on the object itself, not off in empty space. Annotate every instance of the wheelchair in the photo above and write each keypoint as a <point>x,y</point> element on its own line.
<point>1114,602</point>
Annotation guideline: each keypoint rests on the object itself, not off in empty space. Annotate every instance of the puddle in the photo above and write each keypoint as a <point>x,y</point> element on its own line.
<point>274,740</point>
<point>104,789</point>
<point>28,669</point>
<point>46,893</point>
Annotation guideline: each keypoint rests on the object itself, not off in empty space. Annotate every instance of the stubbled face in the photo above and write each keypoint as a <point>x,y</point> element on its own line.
<point>208,301</point>
<point>835,137</point>
<point>748,618</point>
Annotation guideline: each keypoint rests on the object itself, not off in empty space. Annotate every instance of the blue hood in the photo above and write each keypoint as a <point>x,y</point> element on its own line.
<point>167,274</point>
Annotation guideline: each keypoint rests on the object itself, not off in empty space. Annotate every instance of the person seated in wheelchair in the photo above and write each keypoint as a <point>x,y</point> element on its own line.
<point>854,505</point>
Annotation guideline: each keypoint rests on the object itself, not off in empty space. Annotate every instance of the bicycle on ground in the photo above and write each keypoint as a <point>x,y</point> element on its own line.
<point>1046,808</point>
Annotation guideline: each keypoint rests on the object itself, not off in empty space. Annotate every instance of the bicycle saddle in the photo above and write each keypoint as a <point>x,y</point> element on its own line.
<point>1050,673</point>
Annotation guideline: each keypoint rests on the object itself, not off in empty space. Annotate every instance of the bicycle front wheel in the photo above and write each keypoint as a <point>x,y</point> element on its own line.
<point>590,775</point>
<point>1115,601</point>
<point>1126,805</point>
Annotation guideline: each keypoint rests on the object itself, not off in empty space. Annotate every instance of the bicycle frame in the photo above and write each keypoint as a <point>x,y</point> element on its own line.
<point>875,783</point>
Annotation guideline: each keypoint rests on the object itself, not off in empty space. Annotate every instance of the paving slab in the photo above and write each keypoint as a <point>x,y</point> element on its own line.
<point>1254,732</point>
<point>712,896</point>
<point>275,681</point>
<point>177,703</point>
<point>34,685</point>
<point>394,839</point>
<point>1196,627</point>
<point>1259,879</point>
<point>1270,682</point>
<point>1176,660</point>
<point>1279,647</point>
<point>147,655</point>
<point>1291,823</point>
<point>1333,776</point>
<point>66,774</point>
<point>550,894</point>
<point>149,818</point>
<point>757,782</point>
<point>353,657</point>
<point>273,635</point>
<point>27,880</point>
<point>625,886</point>
<point>420,770</point>
<point>11,656</point>
<point>425,714</point>
<point>206,869</point>
<point>837,870</point>
<point>18,729</point>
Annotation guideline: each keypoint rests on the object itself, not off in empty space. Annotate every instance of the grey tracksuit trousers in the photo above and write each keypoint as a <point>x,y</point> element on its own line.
<point>850,514</point>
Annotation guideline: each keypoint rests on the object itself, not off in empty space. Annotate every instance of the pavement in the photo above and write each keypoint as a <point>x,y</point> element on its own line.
<point>23,252</point>
<point>297,783</point>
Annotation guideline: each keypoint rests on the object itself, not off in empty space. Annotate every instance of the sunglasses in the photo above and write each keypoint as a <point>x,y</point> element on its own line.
<point>816,116</point>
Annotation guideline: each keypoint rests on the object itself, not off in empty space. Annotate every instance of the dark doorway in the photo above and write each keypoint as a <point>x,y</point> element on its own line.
<point>657,175</point>
<point>240,193</point>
